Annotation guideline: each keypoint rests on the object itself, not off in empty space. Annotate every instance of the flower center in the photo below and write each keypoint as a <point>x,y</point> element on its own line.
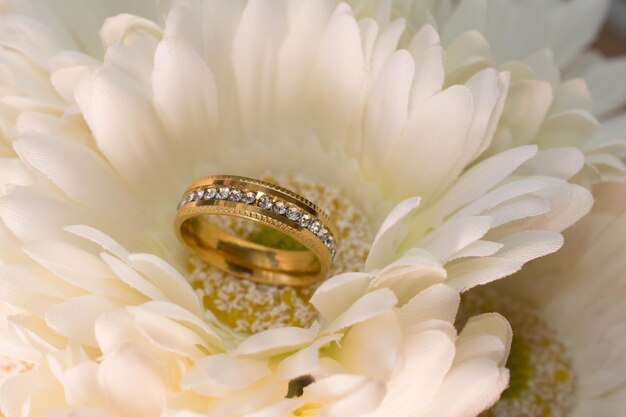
<point>249,307</point>
<point>542,379</point>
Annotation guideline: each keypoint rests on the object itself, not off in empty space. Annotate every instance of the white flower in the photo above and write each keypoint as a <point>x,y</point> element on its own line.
<point>577,300</point>
<point>97,153</point>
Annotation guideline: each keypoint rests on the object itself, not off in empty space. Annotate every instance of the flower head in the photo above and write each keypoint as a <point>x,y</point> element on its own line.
<point>415,129</point>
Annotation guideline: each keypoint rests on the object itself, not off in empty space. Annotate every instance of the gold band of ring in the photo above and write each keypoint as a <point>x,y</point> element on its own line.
<point>261,202</point>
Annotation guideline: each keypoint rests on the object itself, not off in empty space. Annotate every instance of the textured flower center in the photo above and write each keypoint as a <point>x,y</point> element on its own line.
<point>249,307</point>
<point>542,379</point>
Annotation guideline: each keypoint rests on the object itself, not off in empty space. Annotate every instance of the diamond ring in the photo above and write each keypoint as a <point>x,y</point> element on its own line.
<point>256,230</point>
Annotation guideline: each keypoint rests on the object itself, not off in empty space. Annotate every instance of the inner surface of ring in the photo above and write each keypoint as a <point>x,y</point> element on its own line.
<point>202,234</point>
<point>224,249</point>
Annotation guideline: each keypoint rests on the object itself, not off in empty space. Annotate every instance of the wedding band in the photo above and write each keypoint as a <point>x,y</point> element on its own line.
<point>210,198</point>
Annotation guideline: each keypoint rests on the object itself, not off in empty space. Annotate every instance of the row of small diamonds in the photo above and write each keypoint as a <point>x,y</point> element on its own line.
<point>266,202</point>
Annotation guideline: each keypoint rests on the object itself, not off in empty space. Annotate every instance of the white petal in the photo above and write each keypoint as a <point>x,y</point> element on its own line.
<point>454,235</point>
<point>572,128</point>
<point>479,271</point>
<point>409,275</point>
<point>479,179</point>
<point>370,305</point>
<point>133,278</point>
<point>187,318</point>
<point>376,356</point>
<point>133,382</point>
<point>337,293</point>
<point>127,132</point>
<point>382,248</point>
<point>429,58</point>
<point>466,55</point>
<point>117,29</point>
<point>298,51</point>
<point>218,375</point>
<point>100,238</point>
<point>419,161</point>
<point>489,92</point>
<point>485,336</point>
<point>439,302</point>
<point>346,395</point>
<point>97,187</point>
<point>337,76</point>
<point>185,96</point>
<point>508,194</point>
<point>557,162</point>
<point>13,173</point>
<point>305,361</point>
<point>82,386</point>
<point>427,359</point>
<point>276,341</point>
<point>386,44</point>
<point>458,398</point>
<point>606,83</point>
<point>168,280</point>
<point>387,110</point>
<point>572,94</point>
<point>76,317</point>
<point>531,244</point>
<point>31,213</point>
<point>254,56</point>
<point>28,390</point>
<point>526,107</point>
<point>169,335</point>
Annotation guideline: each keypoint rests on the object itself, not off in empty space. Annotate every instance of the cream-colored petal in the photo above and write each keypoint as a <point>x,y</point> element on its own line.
<point>485,336</point>
<point>368,306</point>
<point>169,335</point>
<point>382,248</point>
<point>419,160</point>
<point>134,383</point>
<point>186,318</point>
<point>481,178</point>
<point>438,302</point>
<point>185,98</point>
<point>428,55</point>
<point>133,278</point>
<point>410,275</point>
<point>82,386</point>
<point>306,361</point>
<point>30,392</point>
<point>337,293</point>
<point>479,271</point>
<point>168,280</point>
<point>13,173</point>
<point>345,394</point>
<point>127,131</point>
<point>375,357</point>
<point>387,110</point>
<point>76,317</point>
<point>337,77</point>
<point>557,162</point>
<point>98,188</point>
<point>455,235</point>
<point>276,341</point>
<point>220,375</point>
<point>427,356</point>
<point>458,398</point>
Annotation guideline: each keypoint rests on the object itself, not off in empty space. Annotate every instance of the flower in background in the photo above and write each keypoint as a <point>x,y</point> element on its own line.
<point>568,316</point>
<point>448,159</point>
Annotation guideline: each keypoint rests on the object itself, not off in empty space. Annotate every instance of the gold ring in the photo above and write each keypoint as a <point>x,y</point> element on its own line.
<point>209,203</point>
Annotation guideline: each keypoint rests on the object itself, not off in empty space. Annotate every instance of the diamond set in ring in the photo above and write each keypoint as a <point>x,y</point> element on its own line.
<point>290,211</point>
